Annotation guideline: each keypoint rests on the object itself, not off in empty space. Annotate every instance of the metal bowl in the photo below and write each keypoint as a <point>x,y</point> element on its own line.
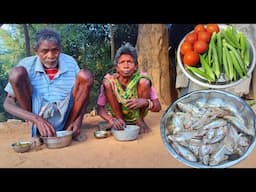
<point>62,139</point>
<point>210,97</point>
<point>129,133</point>
<point>22,146</point>
<point>222,83</point>
<point>100,134</point>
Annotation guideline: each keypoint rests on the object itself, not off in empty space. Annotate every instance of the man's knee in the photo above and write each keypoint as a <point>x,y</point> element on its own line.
<point>17,74</point>
<point>85,76</point>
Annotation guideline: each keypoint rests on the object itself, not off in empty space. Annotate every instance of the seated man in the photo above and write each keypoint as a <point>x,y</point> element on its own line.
<point>128,92</point>
<point>49,87</point>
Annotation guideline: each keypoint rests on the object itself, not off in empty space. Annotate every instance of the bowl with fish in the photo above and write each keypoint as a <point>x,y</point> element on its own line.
<point>209,129</point>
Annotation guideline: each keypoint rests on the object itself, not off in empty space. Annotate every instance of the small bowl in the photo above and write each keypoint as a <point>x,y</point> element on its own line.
<point>100,134</point>
<point>62,139</point>
<point>22,146</point>
<point>129,133</point>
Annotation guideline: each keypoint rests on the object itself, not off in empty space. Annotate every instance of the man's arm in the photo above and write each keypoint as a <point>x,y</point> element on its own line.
<point>44,127</point>
<point>11,107</point>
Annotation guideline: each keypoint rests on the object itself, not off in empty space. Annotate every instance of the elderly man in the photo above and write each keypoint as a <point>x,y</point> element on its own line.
<point>48,89</point>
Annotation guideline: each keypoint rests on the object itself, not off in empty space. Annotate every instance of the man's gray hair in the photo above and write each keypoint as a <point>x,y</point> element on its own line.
<point>47,34</point>
<point>126,49</point>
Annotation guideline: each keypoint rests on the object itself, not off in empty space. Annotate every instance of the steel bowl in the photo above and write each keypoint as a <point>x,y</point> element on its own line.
<point>62,139</point>
<point>212,97</point>
<point>129,133</point>
<point>22,146</point>
<point>222,83</point>
<point>100,134</point>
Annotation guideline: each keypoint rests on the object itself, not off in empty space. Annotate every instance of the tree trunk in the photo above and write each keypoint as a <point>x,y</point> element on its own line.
<point>152,46</point>
<point>112,42</point>
<point>27,41</point>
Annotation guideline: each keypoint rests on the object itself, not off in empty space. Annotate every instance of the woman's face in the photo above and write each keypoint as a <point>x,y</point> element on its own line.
<point>48,53</point>
<point>126,65</point>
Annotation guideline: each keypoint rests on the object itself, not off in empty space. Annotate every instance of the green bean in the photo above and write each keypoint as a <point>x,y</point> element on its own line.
<point>225,63</point>
<point>232,74</point>
<point>200,73</point>
<point>236,64</point>
<point>231,37</point>
<point>242,43</point>
<point>207,68</point>
<point>219,49</point>
<point>210,49</point>
<point>245,49</point>
<point>215,65</point>
<point>238,57</point>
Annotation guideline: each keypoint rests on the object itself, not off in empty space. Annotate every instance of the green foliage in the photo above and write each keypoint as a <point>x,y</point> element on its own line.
<point>2,117</point>
<point>11,51</point>
<point>125,33</point>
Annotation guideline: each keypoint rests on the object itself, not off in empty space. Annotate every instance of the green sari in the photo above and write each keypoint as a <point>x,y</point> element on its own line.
<point>129,115</point>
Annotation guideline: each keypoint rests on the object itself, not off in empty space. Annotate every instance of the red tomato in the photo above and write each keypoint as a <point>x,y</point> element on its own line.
<point>204,36</point>
<point>191,58</point>
<point>199,27</point>
<point>185,46</point>
<point>212,27</point>
<point>191,37</point>
<point>200,46</point>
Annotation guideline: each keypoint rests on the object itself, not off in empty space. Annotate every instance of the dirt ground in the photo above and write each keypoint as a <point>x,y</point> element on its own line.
<point>148,151</point>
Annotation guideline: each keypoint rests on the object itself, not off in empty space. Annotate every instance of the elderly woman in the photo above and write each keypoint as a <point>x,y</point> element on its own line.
<point>128,92</point>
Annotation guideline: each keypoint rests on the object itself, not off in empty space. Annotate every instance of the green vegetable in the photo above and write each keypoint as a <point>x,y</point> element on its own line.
<point>207,68</point>
<point>225,63</point>
<point>231,72</point>
<point>237,56</point>
<point>245,49</point>
<point>219,49</point>
<point>215,65</point>
<point>236,64</point>
<point>199,73</point>
<point>231,37</point>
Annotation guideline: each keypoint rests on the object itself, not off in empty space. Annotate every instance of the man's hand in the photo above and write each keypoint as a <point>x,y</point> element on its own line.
<point>75,126</point>
<point>44,127</point>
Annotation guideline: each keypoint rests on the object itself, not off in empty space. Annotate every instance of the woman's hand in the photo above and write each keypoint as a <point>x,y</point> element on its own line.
<point>117,123</point>
<point>137,103</point>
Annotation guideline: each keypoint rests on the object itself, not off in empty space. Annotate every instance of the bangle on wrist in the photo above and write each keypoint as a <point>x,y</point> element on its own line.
<point>150,104</point>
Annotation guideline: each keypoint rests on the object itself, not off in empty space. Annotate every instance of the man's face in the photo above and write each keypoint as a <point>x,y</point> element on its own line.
<point>48,53</point>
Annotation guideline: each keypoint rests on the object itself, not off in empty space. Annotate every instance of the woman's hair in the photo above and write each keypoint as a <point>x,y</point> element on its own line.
<point>47,34</point>
<point>126,49</point>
